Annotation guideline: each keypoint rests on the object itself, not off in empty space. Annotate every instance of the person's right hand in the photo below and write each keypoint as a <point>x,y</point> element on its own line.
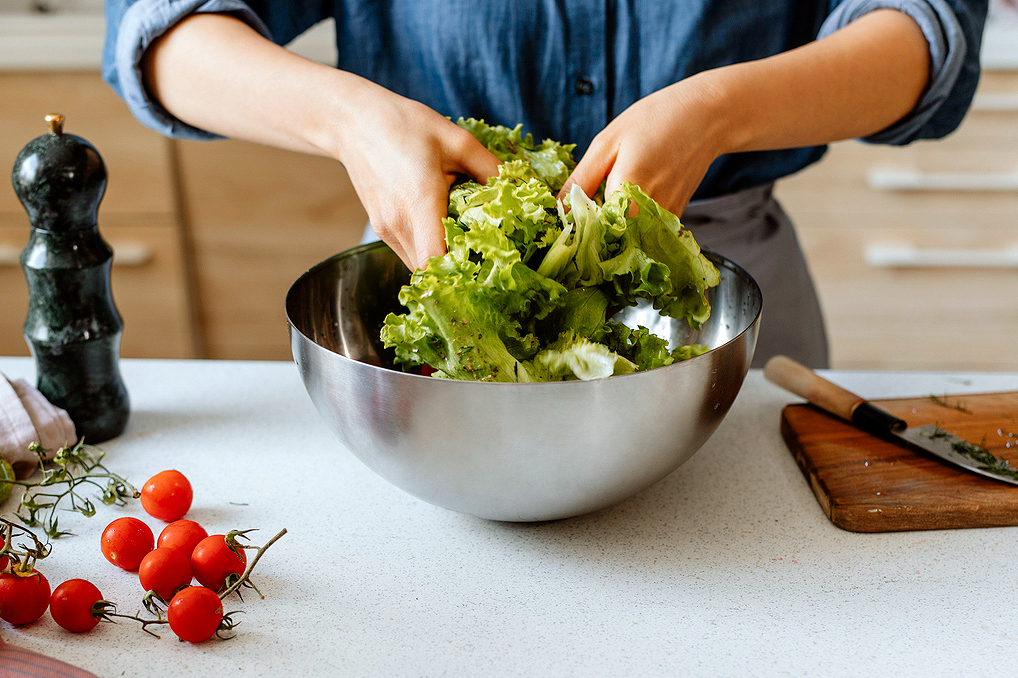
<point>402,158</point>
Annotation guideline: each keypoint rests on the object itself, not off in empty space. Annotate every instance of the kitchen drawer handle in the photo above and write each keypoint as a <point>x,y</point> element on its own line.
<point>911,180</point>
<point>996,103</point>
<point>130,254</point>
<point>9,255</point>
<point>909,256</point>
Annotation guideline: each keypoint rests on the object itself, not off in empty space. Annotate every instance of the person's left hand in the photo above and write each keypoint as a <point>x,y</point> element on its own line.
<point>663,143</point>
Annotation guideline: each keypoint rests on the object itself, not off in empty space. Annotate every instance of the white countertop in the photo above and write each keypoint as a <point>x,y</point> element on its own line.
<point>726,567</point>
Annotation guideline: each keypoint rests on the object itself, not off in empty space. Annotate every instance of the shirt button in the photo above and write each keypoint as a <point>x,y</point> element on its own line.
<point>584,86</point>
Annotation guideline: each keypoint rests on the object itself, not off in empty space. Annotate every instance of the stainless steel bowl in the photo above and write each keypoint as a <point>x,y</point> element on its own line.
<point>516,452</point>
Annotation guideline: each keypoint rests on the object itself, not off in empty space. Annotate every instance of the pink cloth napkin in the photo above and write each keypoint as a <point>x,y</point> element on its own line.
<point>17,662</point>
<point>27,417</point>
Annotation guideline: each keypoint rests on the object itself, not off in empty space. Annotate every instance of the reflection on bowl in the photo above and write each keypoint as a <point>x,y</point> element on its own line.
<point>503,451</point>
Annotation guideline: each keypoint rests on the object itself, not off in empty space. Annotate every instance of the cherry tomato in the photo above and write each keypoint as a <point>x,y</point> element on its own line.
<point>4,561</point>
<point>125,542</point>
<point>73,605</point>
<point>195,613</point>
<point>164,571</point>
<point>23,599</point>
<point>213,561</point>
<point>167,496</point>
<point>182,535</point>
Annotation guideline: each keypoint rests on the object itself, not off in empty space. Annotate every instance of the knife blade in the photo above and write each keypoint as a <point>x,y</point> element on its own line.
<point>802,381</point>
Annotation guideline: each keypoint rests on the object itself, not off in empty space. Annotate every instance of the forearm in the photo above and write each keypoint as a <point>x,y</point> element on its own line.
<point>217,73</point>
<point>856,82</point>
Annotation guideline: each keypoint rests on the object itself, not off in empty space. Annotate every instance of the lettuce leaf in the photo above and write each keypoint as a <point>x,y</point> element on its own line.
<point>654,240</point>
<point>573,357</point>
<point>549,161</point>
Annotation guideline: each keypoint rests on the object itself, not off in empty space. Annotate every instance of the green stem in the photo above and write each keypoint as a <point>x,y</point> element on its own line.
<point>144,622</point>
<point>250,566</point>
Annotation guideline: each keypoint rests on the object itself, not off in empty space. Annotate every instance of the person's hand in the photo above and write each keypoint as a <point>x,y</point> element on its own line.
<point>663,143</point>
<point>402,158</point>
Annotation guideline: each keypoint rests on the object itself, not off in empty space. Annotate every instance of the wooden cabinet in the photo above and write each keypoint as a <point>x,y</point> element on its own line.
<point>257,218</point>
<point>138,215</point>
<point>915,250</point>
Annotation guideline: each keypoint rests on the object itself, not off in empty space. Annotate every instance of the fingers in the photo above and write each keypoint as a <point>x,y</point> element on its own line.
<point>394,244</point>
<point>413,226</point>
<point>413,229</point>
<point>474,160</point>
<point>621,171</point>
<point>593,167</point>
<point>405,187</point>
<point>616,157</point>
<point>462,155</point>
<point>618,174</point>
<point>426,225</point>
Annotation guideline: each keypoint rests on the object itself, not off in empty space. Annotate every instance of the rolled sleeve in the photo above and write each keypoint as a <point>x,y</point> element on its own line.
<point>131,29</point>
<point>953,32</point>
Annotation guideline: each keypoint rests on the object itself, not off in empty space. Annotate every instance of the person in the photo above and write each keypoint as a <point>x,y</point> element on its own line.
<point>702,103</point>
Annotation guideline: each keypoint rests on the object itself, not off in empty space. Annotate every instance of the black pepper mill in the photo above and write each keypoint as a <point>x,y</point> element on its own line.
<point>73,327</point>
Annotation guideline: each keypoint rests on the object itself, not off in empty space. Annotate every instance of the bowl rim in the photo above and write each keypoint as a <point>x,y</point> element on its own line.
<point>715,258</point>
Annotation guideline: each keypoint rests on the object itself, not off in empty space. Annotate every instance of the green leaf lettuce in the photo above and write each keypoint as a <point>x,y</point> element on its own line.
<point>527,284</point>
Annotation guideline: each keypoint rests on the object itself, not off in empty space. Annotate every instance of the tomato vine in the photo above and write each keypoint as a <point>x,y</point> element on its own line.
<point>71,468</point>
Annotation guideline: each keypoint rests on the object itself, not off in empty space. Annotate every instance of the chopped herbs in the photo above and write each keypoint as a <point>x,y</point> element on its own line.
<point>984,459</point>
<point>943,402</point>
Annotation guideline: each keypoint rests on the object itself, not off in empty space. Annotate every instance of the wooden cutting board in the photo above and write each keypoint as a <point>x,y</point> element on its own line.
<point>867,484</point>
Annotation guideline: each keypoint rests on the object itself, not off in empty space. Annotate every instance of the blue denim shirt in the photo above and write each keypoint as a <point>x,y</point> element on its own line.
<point>565,68</point>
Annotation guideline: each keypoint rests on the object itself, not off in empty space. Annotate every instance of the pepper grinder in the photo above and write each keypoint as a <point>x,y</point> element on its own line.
<point>73,328</point>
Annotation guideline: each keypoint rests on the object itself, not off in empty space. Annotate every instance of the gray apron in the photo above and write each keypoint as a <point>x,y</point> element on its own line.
<point>751,229</point>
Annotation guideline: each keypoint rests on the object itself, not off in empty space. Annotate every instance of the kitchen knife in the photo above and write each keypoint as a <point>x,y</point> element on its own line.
<point>802,381</point>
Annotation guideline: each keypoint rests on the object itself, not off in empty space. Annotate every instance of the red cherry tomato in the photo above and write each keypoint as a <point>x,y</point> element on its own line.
<point>213,561</point>
<point>167,496</point>
<point>23,599</point>
<point>125,542</point>
<point>4,561</point>
<point>195,614</point>
<point>73,605</point>
<point>164,571</point>
<point>182,535</point>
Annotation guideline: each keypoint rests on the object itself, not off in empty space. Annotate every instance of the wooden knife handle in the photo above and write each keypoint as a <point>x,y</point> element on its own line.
<point>802,381</point>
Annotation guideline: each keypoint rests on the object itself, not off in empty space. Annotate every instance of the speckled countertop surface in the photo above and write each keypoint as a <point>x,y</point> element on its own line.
<point>728,567</point>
